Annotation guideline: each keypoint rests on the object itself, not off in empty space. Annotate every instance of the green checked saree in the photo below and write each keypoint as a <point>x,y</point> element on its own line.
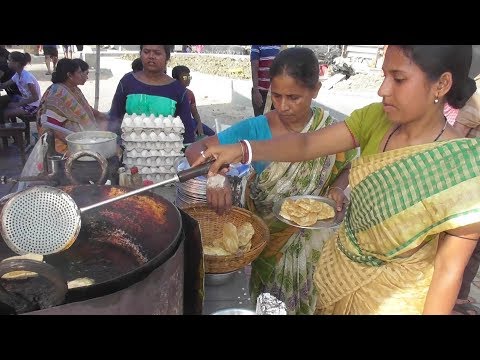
<point>401,200</point>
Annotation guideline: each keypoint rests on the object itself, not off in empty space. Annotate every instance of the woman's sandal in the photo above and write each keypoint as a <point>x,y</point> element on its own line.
<point>466,309</point>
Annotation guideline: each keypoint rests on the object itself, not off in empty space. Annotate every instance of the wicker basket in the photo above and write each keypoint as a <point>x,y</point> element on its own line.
<point>211,228</point>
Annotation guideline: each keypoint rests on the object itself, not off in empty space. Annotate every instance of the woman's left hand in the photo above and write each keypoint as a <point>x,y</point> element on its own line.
<point>338,195</point>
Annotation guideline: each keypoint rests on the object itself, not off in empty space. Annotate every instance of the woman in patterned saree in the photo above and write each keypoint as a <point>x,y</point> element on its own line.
<point>64,107</point>
<point>285,267</point>
<point>414,214</point>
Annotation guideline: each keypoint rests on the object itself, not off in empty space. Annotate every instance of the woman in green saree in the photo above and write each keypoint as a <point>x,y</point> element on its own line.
<point>414,215</point>
<point>285,267</point>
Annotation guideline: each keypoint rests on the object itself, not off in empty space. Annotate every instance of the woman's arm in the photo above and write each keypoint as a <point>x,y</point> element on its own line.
<point>196,116</point>
<point>101,118</point>
<point>117,109</point>
<point>256,96</point>
<point>32,98</point>
<point>60,132</point>
<point>453,253</point>
<point>289,148</point>
<point>336,190</point>
<point>185,114</point>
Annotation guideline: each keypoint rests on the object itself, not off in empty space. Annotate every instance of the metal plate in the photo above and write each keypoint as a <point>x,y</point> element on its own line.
<point>320,224</point>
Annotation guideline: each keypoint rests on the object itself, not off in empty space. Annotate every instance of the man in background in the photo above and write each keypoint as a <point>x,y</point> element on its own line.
<point>51,56</point>
<point>261,57</point>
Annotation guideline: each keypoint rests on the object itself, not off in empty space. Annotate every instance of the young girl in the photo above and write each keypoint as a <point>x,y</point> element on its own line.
<point>182,74</point>
<point>27,84</point>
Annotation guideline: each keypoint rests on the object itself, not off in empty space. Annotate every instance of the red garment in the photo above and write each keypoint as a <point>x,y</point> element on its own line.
<point>450,113</point>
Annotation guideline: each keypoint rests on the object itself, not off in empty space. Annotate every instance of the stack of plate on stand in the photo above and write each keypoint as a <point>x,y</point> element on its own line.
<point>195,191</point>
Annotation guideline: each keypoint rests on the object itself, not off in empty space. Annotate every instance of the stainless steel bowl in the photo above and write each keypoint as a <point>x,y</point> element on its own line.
<point>219,279</point>
<point>102,142</point>
<point>234,311</point>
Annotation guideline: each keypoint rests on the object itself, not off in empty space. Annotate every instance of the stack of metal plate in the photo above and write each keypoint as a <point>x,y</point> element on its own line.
<point>195,191</point>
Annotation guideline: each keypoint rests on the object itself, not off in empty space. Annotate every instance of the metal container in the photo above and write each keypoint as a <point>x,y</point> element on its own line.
<point>56,165</point>
<point>219,279</point>
<point>102,142</point>
<point>234,311</point>
<point>144,256</point>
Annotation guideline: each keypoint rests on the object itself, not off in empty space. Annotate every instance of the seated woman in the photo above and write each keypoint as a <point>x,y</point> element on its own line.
<point>152,91</point>
<point>99,116</point>
<point>27,103</point>
<point>285,267</point>
<point>63,107</point>
<point>6,74</point>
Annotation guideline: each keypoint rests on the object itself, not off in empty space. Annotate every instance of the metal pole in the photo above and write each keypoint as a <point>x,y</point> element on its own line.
<point>97,77</point>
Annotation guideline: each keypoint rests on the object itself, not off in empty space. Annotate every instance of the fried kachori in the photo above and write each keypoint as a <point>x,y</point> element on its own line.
<point>233,240</point>
<point>306,211</point>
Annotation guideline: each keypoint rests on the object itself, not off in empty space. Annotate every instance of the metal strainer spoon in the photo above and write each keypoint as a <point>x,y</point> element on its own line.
<point>46,220</point>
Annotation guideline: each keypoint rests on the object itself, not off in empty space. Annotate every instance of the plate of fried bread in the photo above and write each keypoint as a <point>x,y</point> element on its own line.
<point>307,211</point>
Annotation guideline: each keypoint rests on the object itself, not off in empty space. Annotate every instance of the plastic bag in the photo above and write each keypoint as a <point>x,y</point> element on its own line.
<point>34,164</point>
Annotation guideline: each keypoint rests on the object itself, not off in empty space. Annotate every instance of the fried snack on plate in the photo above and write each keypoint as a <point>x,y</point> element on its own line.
<point>290,207</point>
<point>307,220</point>
<point>306,211</point>
<point>323,211</point>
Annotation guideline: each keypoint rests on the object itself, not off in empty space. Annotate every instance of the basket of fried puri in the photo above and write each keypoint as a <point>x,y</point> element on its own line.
<point>230,241</point>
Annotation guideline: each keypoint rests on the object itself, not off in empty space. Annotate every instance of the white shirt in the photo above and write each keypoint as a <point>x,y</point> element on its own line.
<point>22,82</point>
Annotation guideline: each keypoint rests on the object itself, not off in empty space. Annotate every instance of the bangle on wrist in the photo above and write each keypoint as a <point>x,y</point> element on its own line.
<point>249,152</point>
<point>242,145</point>
<point>246,152</point>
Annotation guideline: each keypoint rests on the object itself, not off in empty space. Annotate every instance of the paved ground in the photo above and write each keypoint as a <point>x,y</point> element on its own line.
<point>234,293</point>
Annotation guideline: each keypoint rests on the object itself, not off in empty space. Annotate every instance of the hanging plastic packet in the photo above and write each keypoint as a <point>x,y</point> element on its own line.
<point>34,164</point>
<point>269,305</point>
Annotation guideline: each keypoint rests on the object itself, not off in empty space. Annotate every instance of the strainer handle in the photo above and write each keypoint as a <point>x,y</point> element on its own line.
<point>43,269</point>
<point>199,170</point>
<point>180,177</point>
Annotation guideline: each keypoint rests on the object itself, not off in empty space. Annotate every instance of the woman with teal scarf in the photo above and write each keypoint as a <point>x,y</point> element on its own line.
<point>286,266</point>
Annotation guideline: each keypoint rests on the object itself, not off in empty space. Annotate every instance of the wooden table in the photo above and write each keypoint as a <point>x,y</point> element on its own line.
<point>16,130</point>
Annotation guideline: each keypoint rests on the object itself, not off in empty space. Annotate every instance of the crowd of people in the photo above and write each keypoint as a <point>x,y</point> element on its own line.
<point>63,108</point>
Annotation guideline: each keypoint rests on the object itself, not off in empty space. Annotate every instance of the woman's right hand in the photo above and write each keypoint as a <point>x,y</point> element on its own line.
<point>220,198</point>
<point>224,154</point>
